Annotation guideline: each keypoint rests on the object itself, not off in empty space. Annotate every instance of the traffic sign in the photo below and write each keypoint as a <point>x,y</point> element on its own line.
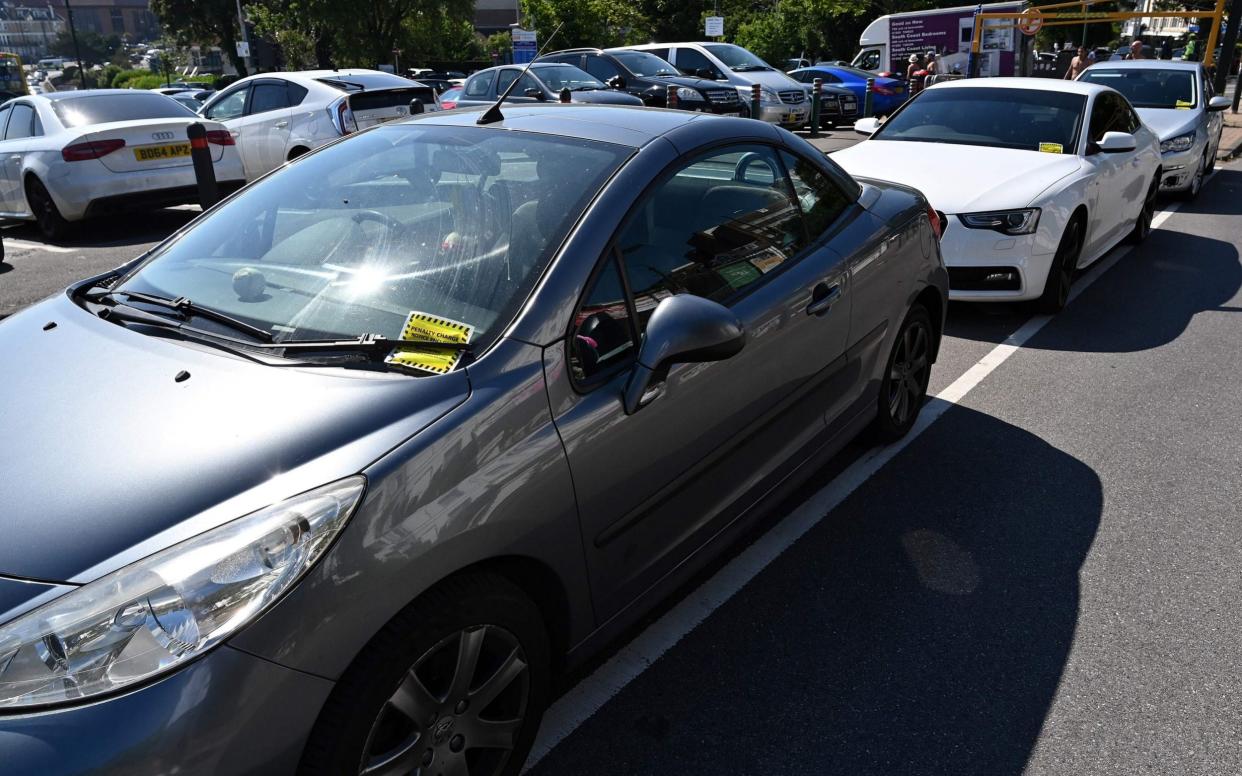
<point>714,26</point>
<point>243,49</point>
<point>524,45</point>
<point>1031,21</point>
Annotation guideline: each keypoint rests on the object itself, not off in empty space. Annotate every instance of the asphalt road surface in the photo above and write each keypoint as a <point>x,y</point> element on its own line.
<point>1045,580</point>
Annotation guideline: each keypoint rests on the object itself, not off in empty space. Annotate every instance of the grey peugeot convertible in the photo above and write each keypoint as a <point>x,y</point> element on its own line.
<point>338,477</point>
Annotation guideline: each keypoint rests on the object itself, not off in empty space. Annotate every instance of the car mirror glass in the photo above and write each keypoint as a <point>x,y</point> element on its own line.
<point>683,329</point>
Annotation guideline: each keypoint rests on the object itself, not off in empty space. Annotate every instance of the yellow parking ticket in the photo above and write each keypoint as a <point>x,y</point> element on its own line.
<point>1183,105</point>
<point>1051,148</point>
<point>425,326</point>
<point>420,326</point>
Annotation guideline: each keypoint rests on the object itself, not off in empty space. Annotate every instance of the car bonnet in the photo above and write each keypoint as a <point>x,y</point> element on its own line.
<point>1169,122</point>
<point>119,444</point>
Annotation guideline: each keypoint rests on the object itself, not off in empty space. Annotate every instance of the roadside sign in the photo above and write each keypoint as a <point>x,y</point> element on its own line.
<point>714,26</point>
<point>1031,21</point>
<point>243,49</point>
<point>524,46</point>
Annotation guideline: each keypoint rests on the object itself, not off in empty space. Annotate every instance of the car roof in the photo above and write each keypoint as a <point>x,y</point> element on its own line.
<point>1149,64</point>
<point>1034,84</point>
<point>634,126</point>
<point>74,94</point>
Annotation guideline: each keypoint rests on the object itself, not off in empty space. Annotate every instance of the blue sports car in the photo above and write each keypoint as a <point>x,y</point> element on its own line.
<point>889,93</point>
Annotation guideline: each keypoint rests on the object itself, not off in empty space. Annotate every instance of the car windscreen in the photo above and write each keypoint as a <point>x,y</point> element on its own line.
<point>641,63</point>
<point>737,58</point>
<point>1023,119</point>
<point>1147,88</point>
<point>456,223</point>
<point>358,82</point>
<point>122,106</point>
<point>557,77</point>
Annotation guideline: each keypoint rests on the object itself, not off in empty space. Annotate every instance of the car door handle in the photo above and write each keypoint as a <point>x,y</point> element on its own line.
<point>282,124</point>
<point>823,297</point>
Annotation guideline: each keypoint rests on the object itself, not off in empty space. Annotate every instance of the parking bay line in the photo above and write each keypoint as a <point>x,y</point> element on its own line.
<point>589,695</point>
<point>10,242</point>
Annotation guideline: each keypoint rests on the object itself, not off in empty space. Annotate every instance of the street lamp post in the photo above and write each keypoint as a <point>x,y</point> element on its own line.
<point>73,33</point>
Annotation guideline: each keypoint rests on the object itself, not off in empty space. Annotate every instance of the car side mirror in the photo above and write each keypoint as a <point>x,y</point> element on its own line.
<point>683,329</point>
<point>416,106</point>
<point>1116,142</point>
<point>533,92</point>
<point>866,126</point>
<point>1218,103</point>
<point>616,82</point>
<point>706,72</point>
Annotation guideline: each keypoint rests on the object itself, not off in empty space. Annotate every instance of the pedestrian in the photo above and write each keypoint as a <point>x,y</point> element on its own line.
<point>1077,64</point>
<point>931,63</point>
<point>1136,50</point>
<point>1192,49</point>
<point>1166,48</point>
<point>913,67</point>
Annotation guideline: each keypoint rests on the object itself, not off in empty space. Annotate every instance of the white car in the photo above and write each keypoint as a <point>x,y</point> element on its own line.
<point>277,117</point>
<point>1034,178</point>
<point>1175,99</point>
<point>72,155</point>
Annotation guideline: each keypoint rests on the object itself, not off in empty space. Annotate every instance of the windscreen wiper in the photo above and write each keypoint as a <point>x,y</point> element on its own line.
<point>366,343</point>
<point>188,309</point>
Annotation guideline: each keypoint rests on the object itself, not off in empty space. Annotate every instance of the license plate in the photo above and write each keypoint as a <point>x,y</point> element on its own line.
<point>899,89</point>
<point>154,152</point>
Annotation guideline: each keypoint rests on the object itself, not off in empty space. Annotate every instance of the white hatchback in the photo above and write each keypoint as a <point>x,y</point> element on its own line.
<point>66,156</point>
<point>277,117</point>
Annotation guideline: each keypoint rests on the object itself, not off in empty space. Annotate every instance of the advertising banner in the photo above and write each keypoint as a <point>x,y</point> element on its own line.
<point>949,35</point>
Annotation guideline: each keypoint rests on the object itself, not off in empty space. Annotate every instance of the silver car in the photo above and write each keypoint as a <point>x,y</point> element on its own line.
<point>336,478</point>
<point>1177,101</point>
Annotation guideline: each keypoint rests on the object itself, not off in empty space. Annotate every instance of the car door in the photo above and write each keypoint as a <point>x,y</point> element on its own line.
<point>266,124</point>
<point>654,485</point>
<point>1213,120</point>
<point>8,170</point>
<point>694,63</point>
<point>21,126</point>
<point>229,109</point>
<point>1110,173</point>
<point>479,89</point>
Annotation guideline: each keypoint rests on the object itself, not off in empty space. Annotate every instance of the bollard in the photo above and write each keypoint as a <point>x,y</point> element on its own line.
<point>755,110</point>
<point>816,97</point>
<point>671,102</point>
<point>204,171</point>
<point>867,98</point>
<point>565,95</point>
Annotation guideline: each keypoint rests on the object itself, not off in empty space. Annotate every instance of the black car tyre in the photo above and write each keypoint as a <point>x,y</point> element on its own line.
<point>904,386</point>
<point>51,223</point>
<point>1142,227</point>
<point>1196,181</point>
<point>454,684</point>
<point>1061,273</point>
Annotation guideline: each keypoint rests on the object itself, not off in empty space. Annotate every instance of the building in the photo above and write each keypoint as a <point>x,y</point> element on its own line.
<point>495,15</point>
<point>28,31</point>
<point>1163,27</point>
<point>129,19</point>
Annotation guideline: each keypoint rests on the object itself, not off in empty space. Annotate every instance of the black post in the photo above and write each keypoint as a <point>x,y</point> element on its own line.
<point>817,86</point>
<point>73,32</point>
<point>204,172</point>
<point>1227,48</point>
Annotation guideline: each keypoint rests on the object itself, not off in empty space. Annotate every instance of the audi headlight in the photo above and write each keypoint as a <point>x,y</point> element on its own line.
<point>1179,143</point>
<point>152,616</point>
<point>1004,221</point>
<point>686,94</point>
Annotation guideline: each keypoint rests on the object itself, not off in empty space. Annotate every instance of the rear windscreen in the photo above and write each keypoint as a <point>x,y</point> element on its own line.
<point>122,106</point>
<point>391,98</point>
<point>357,82</point>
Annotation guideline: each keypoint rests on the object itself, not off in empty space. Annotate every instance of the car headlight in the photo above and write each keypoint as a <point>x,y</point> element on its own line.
<point>769,96</point>
<point>686,94</point>
<point>153,615</point>
<point>1004,221</point>
<point>1179,143</point>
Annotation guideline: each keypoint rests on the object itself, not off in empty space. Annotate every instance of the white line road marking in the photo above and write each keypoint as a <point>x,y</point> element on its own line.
<point>9,242</point>
<point>589,695</point>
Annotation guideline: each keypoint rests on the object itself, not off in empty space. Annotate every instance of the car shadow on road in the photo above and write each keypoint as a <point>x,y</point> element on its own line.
<point>114,231</point>
<point>922,627</point>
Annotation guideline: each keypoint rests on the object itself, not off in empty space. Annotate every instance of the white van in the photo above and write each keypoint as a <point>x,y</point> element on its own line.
<point>886,44</point>
<point>782,100</point>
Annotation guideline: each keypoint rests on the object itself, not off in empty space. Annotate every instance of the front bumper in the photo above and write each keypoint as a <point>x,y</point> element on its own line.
<point>786,115</point>
<point>1178,169</point>
<point>228,713</point>
<point>988,266</point>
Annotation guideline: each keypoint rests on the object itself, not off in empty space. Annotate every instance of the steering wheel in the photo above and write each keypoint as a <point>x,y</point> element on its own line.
<point>749,158</point>
<point>389,223</point>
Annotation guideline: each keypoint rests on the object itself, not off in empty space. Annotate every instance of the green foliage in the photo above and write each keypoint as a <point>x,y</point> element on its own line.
<point>205,22</point>
<point>599,23</point>
<point>95,48</point>
<point>498,43</point>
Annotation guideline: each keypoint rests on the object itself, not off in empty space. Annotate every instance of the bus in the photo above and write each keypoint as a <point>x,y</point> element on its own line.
<point>12,76</point>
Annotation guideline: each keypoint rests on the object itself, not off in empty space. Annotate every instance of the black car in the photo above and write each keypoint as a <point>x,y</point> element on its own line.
<point>544,82</point>
<point>648,77</point>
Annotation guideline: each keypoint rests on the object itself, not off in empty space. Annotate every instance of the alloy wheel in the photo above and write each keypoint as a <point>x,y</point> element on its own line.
<point>907,379</point>
<point>456,712</point>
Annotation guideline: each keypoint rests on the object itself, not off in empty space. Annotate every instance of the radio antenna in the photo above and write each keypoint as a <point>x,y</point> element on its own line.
<point>493,114</point>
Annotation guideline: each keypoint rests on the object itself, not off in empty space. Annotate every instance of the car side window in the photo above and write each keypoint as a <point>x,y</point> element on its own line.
<point>1107,115</point>
<point>662,53</point>
<point>4,117</point>
<point>821,200</point>
<point>604,334</point>
<point>526,83</point>
<point>480,85</point>
<point>690,62</point>
<point>230,106</point>
<point>266,97</point>
<point>21,122</point>
<point>712,227</point>
<point>296,93</point>
<point>601,68</point>
<point>506,77</point>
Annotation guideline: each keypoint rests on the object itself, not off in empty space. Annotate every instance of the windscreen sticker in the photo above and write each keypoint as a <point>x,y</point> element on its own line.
<point>1183,105</point>
<point>1051,148</point>
<point>432,328</point>
<point>425,326</point>
<point>766,264</point>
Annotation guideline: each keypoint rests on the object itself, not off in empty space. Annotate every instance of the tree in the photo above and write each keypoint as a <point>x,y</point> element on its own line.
<point>588,22</point>
<point>95,48</point>
<point>211,22</point>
